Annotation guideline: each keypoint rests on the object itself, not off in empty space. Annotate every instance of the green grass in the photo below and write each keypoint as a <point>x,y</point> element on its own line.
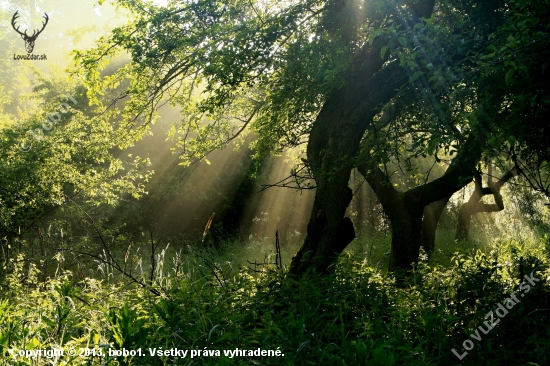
<point>355,317</point>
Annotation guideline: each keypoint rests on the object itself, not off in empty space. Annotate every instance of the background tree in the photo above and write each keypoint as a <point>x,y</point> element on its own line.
<point>475,204</point>
<point>61,148</point>
<point>518,54</point>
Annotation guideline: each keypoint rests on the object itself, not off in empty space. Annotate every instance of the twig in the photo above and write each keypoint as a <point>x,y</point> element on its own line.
<point>113,263</point>
<point>102,260</point>
<point>153,249</point>
<point>278,259</point>
<point>296,179</point>
<point>213,268</point>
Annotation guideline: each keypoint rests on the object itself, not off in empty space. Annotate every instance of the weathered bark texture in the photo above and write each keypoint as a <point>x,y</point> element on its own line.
<point>331,163</point>
<point>430,221</point>
<point>334,142</point>
<point>405,209</point>
<point>372,212</point>
<point>475,204</point>
<point>405,213</point>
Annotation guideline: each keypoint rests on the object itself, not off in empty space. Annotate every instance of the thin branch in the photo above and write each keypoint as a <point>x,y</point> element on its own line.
<point>104,261</point>
<point>297,179</point>
<point>153,249</point>
<point>113,263</point>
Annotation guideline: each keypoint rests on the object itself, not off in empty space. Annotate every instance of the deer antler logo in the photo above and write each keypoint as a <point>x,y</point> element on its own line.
<point>29,40</point>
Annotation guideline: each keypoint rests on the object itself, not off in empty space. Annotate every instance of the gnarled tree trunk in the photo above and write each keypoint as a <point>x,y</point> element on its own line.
<point>405,209</point>
<point>475,204</point>
<point>430,221</point>
<point>405,213</point>
<point>334,142</point>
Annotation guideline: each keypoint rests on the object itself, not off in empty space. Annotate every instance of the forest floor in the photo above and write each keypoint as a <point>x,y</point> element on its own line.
<point>469,304</point>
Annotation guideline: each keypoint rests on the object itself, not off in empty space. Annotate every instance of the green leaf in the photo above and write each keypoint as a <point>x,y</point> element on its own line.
<point>401,59</point>
<point>509,76</point>
<point>487,56</point>
<point>32,344</point>
<point>383,51</point>
<point>403,41</point>
<point>415,76</point>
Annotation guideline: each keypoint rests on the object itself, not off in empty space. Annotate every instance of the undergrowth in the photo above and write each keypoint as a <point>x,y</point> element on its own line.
<point>357,316</point>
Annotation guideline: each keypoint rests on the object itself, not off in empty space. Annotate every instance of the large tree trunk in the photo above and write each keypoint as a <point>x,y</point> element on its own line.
<point>475,204</point>
<point>405,209</point>
<point>372,212</point>
<point>405,213</point>
<point>430,221</point>
<point>328,231</point>
<point>334,142</point>
<point>406,223</point>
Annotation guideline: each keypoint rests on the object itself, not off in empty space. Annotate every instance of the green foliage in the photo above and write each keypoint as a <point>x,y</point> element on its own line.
<point>237,65</point>
<point>127,328</point>
<point>270,67</point>
<point>61,148</point>
<point>356,316</point>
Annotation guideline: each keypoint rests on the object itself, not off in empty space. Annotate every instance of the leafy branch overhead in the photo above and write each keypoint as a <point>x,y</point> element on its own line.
<point>230,63</point>
<point>376,85</point>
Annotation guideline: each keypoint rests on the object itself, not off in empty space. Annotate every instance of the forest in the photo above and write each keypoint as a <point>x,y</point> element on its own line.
<point>261,182</point>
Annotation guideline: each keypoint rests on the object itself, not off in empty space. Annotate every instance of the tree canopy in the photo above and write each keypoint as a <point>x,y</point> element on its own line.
<point>362,83</point>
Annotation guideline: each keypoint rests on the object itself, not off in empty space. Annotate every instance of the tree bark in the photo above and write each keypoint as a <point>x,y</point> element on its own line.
<point>475,204</point>
<point>334,142</point>
<point>331,162</point>
<point>430,221</point>
<point>406,226</point>
<point>405,213</point>
<point>405,209</point>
